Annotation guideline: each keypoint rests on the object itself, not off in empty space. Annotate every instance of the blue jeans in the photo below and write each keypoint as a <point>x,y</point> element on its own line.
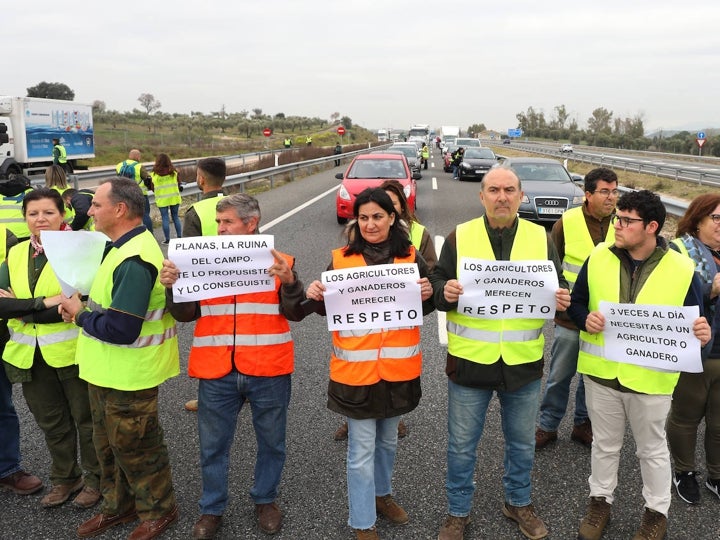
<point>166,220</point>
<point>563,366</point>
<point>146,215</point>
<point>9,428</point>
<point>455,169</point>
<point>372,444</point>
<point>467,408</point>
<point>220,401</point>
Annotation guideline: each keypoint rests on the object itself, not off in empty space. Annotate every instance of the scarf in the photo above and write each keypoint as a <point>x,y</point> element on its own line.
<point>35,240</point>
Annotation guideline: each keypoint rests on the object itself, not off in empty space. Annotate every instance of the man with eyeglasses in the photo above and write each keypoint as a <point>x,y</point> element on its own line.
<point>575,235</point>
<point>638,268</point>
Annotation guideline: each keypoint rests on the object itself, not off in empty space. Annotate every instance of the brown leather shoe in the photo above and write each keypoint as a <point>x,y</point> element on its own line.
<point>269,517</point>
<point>60,493</point>
<point>453,528</point>
<point>21,483</point>
<point>543,438</point>
<point>206,527</point>
<point>152,528</point>
<point>100,523</point>
<point>527,519</point>
<point>341,433</point>
<point>387,506</point>
<point>402,430</point>
<point>366,534</point>
<point>87,498</point>
<point>583,434</point>
<point>191,405</point>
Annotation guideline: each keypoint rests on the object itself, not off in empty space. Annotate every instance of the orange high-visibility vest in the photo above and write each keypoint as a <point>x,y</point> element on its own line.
<point>364,357</point>
<point>245,328</point>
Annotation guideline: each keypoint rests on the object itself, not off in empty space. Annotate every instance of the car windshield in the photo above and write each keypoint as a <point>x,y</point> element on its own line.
<point>552,172</point>
<point>467,142</point>
<point>377,168</point>
<point>409,151</point>
<point>479,153</point>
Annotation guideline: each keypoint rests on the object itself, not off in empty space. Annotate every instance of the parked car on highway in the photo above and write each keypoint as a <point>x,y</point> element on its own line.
<point>549,188</point>
<point>371,170</point>
<point>566,148</point>
<point>411,153</point>
<point>476,162</point>
<point>467,141</point>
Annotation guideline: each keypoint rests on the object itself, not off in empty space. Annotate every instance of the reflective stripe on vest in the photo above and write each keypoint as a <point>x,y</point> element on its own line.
<point>365,356</point>
<point>57,341</point>
<point>578,243</point>
<point>604,284</point>
<point>11,214</point>
<point>248,329</point>
<point>153,357</point>
<point>485,341</point>
<point>166,190</point>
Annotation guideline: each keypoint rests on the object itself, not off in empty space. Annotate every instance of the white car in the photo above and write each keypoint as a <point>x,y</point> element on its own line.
<point>566,148</point>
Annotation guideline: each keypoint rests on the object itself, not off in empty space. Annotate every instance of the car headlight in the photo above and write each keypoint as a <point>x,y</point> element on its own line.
<point>578,199</point>
<point>465,165</point>
<point>343,193</point>
<point>525,200</point>
<point>407,190</point>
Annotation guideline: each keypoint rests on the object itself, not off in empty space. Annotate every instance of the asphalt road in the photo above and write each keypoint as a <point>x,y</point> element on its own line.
<point>313,490</point>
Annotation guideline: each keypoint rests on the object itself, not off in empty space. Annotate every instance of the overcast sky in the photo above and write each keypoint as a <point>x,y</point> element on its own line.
<point>383,63</point>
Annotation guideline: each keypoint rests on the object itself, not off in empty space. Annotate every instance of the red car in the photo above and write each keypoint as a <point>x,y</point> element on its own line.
<point>371,170</point>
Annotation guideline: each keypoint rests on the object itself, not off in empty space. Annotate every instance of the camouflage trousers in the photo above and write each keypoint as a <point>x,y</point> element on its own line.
<point>134,462</point>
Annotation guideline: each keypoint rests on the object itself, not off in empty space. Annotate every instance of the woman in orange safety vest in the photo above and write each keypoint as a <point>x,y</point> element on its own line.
<point>374,373</point>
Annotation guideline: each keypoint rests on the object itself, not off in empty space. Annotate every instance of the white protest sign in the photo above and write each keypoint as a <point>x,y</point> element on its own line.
<point>656,337</point>
<point>75,257</point>
<point>214,266</point>
<point>368,297</point>
<point>507,289</point>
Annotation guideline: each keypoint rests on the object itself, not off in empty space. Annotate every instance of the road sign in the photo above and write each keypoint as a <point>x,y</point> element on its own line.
<point>515,132</point>
<point>701,135</point>
<point>341,130</point>
<point>700,141</point>
<point>267,132</point>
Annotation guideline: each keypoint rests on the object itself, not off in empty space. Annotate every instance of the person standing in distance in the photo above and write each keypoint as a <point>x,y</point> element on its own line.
<point>575,235</point>
<point>638,268</point>
<point>132,168</point>
<point>127,347</point>
<point>493,356</point>
<point>60,156</point>
<point>242,351</point>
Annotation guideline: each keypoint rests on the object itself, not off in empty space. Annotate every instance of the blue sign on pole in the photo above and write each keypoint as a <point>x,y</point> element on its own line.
<point>514,132</point>
<point>701,135</point>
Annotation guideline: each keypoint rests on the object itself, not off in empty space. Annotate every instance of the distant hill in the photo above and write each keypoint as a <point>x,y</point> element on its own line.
<point>710,132</point>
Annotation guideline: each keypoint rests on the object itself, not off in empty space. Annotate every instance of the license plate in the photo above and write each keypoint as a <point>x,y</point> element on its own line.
<point>480,171</point>
<point>548,210</point>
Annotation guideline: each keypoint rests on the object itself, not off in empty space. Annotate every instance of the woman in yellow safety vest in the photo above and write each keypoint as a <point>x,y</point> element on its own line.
<point>41,356</point>
<point>56,179</point>
<point>167,194</point>
<point>374,372</point>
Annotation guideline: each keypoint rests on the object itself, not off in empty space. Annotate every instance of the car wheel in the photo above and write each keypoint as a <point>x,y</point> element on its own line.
<point>341,220</point>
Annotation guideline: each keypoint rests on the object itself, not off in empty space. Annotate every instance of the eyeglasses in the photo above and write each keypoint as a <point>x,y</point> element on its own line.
<point>715,218</point>
<point>624,220</point>
<point>607,193</point>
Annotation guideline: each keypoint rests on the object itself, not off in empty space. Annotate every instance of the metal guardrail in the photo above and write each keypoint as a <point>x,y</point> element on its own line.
<point>191,189</point>
<point>629,162</point>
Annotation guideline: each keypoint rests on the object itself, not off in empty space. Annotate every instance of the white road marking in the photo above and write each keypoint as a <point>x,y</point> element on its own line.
<point>286,215</point>
<point>442,328</point>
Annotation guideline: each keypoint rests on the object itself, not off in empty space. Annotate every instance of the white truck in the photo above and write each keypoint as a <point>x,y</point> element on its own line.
<point>450,132</point>
<point>28,127</point>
